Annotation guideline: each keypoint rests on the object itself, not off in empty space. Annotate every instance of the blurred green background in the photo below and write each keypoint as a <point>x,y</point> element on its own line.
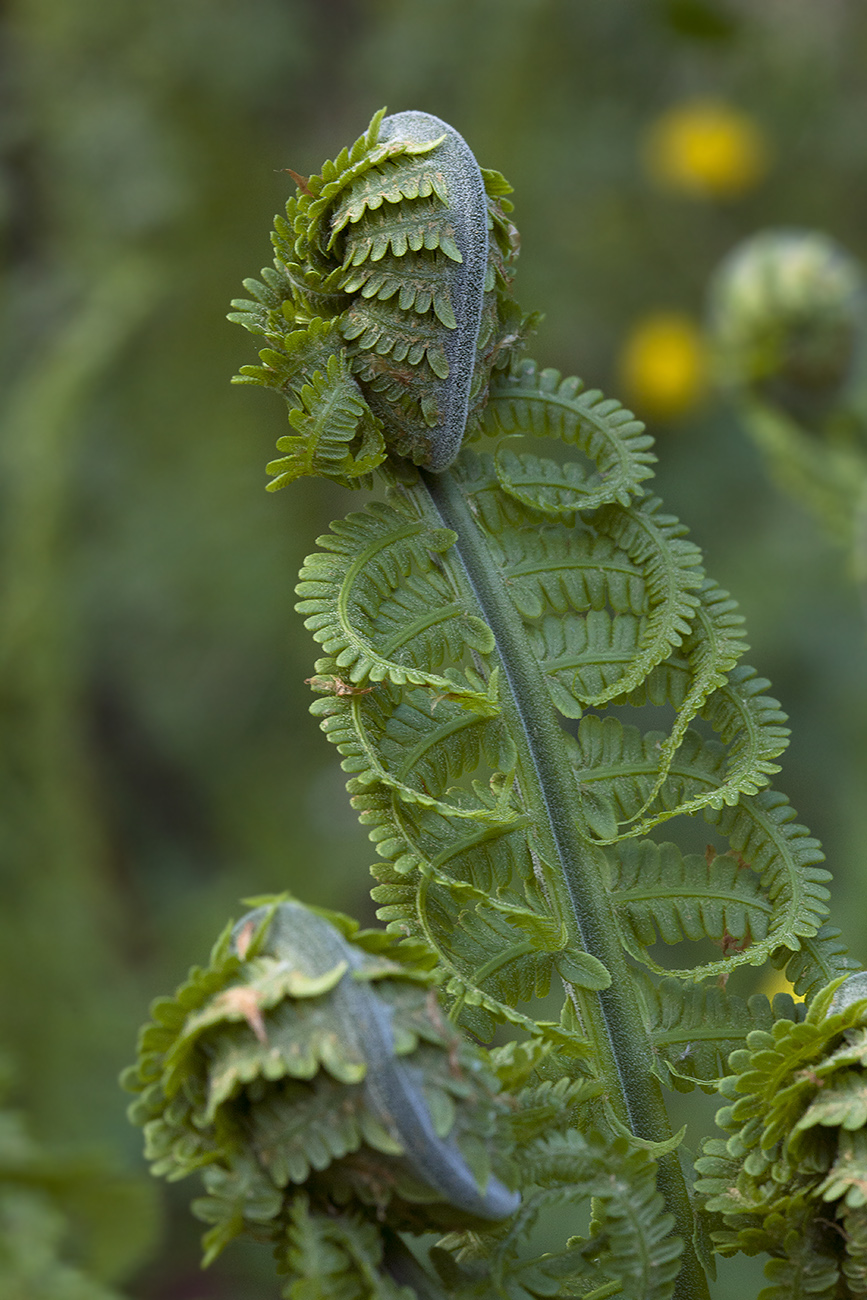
<point>158,762</point>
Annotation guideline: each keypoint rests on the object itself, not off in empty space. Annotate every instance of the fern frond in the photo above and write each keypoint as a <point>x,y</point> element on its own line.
<point>370,733</point>
<point>855,1263</point>
<point>794,1166</point>
<point>660,894</point>
<point>377,602</point>
<point>821,958</point>
<point>332,415</point>
<point>408,340</point>
<point>343,1253</point>
<point>554,567</point>
<point>631,1235</point>
<point>391,181</point>
<point>689,676</point>
<point>307,1056</point>
<point>541,404</point>
<point>417,289</point>
<point>672,572</point>
<point>763,831</point>
<point>348,172</point>
<point>615,766</point>
<point>336,433</point>
<point>407,227</point>
<point>695,1027</point>
<point>490,598</point>
<point>630,1242</point>
<point>808,1272</point>
<point>591,659</point>
<point>747,722</point>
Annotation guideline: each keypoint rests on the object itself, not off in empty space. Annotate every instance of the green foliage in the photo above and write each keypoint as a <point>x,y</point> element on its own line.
<point>335,1255</point>
<point>309,1073</point>
<point>69,1228</point>
<point>468,623</point>
<point>791,1178</point>
<point>155,767</point>
<point>629,1243</point>
<point>788,320</point>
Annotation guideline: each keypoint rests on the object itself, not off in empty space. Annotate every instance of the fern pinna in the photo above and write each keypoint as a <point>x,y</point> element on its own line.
<point>535,690</point>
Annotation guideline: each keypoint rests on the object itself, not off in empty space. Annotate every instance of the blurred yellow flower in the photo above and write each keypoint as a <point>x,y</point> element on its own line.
<point>706,149</point>
<point>774,982</point>
<point>664,365</point>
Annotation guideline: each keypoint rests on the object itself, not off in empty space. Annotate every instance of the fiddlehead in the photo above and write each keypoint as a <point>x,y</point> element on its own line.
<point>395,264</point>
<point>787,320</point>
<point>791,1179</point>
<point>309,1054</point>
<point>487,631</point>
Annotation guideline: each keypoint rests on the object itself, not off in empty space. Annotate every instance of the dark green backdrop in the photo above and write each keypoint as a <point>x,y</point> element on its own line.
<point>158,762</point>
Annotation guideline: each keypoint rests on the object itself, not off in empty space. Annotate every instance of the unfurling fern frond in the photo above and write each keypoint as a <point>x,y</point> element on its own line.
<point>791,1179</point>
<point>535,691</point>
<point>401,251</point>
<point>310,1076</point>
<point>311,1055</point>
<point>788,322</point>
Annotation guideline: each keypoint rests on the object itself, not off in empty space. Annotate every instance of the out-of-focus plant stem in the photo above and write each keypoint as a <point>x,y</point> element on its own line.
<point>59,922</point>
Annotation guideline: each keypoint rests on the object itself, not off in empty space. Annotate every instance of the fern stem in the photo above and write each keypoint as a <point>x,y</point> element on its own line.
<point>611,1018</point>
<point>401,1265</point>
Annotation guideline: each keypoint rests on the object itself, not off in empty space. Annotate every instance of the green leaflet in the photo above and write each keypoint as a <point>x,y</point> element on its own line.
<point>331,416</point>
<point>819,960</point>
<point>694,1027</point>
<point>379,605</point>
<point>336,1256</point>
<point>539,403</point>
<point>334,432</point>
<point>709,683</point>
<point>661,894</point>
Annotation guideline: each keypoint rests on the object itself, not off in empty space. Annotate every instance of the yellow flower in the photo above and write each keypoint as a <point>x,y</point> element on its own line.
<point>706,149</point>
<point>663,365</point>
<point>774,982</point>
